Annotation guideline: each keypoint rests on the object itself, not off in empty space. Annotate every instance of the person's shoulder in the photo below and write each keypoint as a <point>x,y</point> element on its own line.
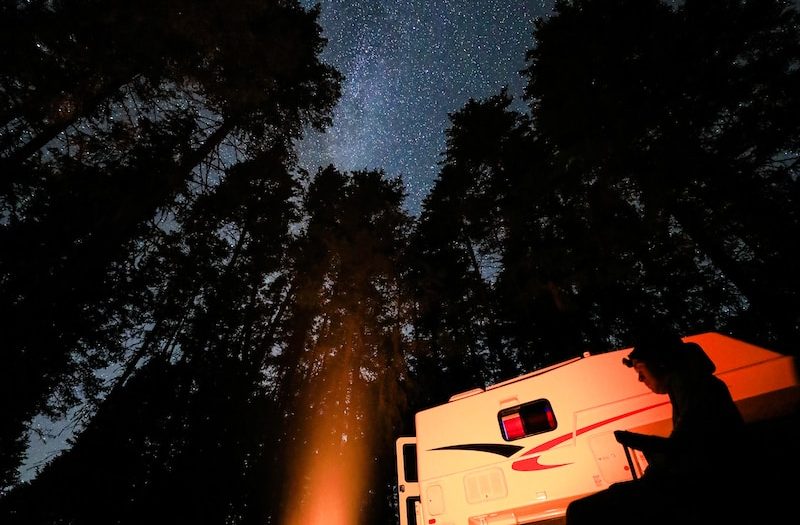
<point>689,384</point>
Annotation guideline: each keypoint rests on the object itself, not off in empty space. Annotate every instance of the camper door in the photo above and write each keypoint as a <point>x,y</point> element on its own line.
<point>407,481</point>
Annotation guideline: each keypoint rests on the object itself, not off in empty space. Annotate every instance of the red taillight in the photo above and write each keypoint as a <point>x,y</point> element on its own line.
<point>551,419</point>
<point>512,426</point>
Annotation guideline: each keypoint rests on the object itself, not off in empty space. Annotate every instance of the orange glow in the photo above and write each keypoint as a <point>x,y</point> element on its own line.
<point>330,492</point>
<point>328,474</point>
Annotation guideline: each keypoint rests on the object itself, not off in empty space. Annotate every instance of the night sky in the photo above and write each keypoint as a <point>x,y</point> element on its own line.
<point>407,65</point>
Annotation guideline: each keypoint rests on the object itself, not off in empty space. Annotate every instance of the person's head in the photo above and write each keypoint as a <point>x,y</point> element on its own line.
<point>660,352</point>
<point>651,376</point>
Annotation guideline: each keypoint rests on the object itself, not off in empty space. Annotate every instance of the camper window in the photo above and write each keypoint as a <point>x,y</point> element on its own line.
<point>410,462</point>
<point>526,419</point>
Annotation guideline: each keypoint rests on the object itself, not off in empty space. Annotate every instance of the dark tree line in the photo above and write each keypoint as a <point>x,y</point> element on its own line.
<point>240,333</point>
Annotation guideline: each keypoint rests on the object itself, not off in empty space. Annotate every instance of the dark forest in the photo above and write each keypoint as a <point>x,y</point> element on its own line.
<point>218,313</point>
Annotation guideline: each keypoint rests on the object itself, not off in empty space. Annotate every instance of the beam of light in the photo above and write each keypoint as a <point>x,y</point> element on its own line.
<point>328,479</point>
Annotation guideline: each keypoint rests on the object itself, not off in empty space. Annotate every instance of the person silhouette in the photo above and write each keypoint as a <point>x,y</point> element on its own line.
<point>706,425</point>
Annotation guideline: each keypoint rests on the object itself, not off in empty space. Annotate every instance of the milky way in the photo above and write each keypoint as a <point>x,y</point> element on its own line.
<point>407,65</point>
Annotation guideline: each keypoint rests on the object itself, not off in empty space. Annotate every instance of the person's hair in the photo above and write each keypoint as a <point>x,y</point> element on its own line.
<point>663,350</point>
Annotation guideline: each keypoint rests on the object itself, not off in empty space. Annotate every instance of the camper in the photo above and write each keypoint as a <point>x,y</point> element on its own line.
<point>519,451</point>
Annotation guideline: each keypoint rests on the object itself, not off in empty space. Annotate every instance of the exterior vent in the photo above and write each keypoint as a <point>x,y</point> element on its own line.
<point>485,486</point>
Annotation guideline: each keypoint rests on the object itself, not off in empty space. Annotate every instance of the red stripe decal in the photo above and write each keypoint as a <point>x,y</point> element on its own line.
<point>533,463</point>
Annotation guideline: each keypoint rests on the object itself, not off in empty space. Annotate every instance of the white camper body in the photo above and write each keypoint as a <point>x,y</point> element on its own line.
<point>519,451</point>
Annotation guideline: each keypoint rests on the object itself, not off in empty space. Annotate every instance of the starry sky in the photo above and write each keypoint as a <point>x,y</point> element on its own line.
<point>407,65</point>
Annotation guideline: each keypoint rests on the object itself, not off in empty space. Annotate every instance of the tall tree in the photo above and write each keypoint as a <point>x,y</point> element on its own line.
<point>198,385</point>
<point>679,114</point>
<point>457,254</point>
<point>490,261</point>
<point>103,140</point>
<point>343,361</point>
